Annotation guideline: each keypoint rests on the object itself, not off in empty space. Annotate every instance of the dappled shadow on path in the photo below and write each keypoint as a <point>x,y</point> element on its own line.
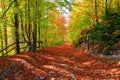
<point>62,62</point>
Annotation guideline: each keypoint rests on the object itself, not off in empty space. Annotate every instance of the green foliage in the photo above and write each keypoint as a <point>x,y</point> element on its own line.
<point>40,18</point>
<point>80,23</point>
<point>77,42</point>
<point>58,42</point>
<point>109,50</point>
<point>105,33</point>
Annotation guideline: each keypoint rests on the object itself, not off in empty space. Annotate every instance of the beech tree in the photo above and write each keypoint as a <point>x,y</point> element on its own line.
<point>25,25</point>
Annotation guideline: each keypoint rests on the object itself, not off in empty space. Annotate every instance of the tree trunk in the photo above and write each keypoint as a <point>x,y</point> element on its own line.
<point>16,23</point>
<point>95,10</point>
<point>39,36</point>
<point>5,37</point>
<point>29,27</point>
<point>22,28</point>
<point>1,41</point>
<point>34,33</point>
<point>87,42</point>
<point>106,7</point>
<point>39,30</point>
<point>4,41</point>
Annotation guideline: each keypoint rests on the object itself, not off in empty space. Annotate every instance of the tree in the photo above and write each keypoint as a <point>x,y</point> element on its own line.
<point>96,13</point>
<point>16,23</point>
<point>32,24</point>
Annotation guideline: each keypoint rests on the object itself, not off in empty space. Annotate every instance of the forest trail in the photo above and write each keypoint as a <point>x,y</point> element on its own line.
<point>62,62</point>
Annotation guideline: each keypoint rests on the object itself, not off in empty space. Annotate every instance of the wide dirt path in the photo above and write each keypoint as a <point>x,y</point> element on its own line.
<point>62,62</point>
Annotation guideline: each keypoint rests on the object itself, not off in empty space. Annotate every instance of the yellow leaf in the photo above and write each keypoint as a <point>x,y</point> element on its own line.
<point>118,63</point>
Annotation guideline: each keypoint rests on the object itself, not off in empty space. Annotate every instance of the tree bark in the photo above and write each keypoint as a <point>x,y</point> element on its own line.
<point>5,37</point>
<point>106,7</point>
<point>87,42</point>
<point>34,33</point>
<point>16,23</point>
<point>95,10</point>
<point>1,40</point>
<point>29,27</point>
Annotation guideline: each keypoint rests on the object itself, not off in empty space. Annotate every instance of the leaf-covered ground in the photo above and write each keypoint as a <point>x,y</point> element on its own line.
<point>62,62</point>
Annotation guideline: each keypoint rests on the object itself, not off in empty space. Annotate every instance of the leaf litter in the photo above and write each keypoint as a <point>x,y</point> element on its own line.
<point>61,62</point>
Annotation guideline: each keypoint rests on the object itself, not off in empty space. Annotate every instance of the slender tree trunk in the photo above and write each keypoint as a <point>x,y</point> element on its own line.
<point>22,28</point>
<point>39,30</point>
<point>106,6</point>
<point>5,37</point>
<point>29,27</point>
<point>46,37</point>
<point>16,27</point>
<point>34,33</point>
<point>39,25</point>
<point>1,40</point>
<point>39,35</point>
<point>87,42</point>
<point>95,10</point>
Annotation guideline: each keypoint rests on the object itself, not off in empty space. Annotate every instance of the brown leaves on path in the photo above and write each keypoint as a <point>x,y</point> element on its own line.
<point>62,62</point>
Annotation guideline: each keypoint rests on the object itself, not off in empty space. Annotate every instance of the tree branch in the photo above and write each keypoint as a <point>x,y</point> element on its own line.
<point>7,9</point>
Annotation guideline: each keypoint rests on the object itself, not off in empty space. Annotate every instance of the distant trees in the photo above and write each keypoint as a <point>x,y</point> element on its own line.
<point>25,25</point>
<point>105,31</point>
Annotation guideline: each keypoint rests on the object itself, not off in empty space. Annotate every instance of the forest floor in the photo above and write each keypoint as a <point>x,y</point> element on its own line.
<point>62,62</point>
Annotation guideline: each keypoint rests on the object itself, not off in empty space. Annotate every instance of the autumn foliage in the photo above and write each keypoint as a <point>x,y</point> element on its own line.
<point>62,62</point>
